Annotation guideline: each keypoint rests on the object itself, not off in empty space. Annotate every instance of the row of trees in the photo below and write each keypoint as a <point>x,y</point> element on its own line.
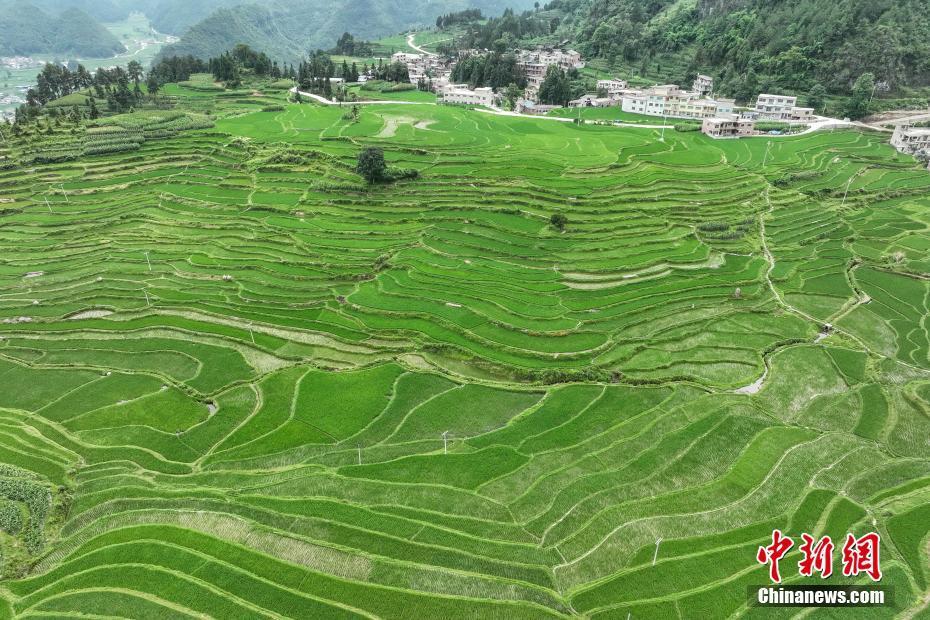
<point>120,87</point>
<point>493,69</point>
<point>316,73</point>
<point>348,46</point>
<point>468,16</point>
<point>229,67</point>
<point>503,33</point>
<point>56,81</point>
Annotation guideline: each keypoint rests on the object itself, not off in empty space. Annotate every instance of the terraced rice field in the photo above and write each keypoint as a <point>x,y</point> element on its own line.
<point>227,367</point>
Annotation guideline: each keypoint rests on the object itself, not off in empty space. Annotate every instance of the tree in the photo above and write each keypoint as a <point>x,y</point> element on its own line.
<point>153,86</point>
<point>134,69</point>
<point>816,97</point>
<point>558,221</point>
<point>858,104</point>
<point>94,113</point>
<point>371,165</point>
<point>555,89</point>
<point>511,95</point>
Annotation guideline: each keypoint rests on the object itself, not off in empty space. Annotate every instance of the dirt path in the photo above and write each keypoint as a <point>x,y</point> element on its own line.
<point>413,45</point>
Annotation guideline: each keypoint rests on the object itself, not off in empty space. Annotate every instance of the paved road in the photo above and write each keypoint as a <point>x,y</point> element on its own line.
<point>822,123</point>
<point>325,101</point>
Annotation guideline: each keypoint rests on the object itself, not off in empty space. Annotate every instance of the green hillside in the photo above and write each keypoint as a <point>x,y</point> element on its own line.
<point>240,382</point>
<point>26,29</point>
<point>759,44</point>
<point>287,30</point>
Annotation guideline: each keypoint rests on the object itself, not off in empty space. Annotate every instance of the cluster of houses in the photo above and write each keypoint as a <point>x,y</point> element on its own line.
<point>719,115</point>
<point>535,63</point>
<point>437,71</point>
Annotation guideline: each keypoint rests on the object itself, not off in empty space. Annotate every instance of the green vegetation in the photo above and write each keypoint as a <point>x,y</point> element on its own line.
<point>26,29</point>
<point>248,383</point>
<point>285,31</point>
<point>807,48</point>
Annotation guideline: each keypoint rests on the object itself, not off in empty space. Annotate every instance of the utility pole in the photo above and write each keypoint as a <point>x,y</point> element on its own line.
<point>662,137</point>
<point>655,556</point>
<point>359,454</point>
<point>846,193</point>
<point>766,157</point>
<point>445,443</point>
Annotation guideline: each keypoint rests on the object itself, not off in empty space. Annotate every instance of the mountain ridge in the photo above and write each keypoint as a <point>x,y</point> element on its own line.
<point>26,29</point>
<point>288,30</point>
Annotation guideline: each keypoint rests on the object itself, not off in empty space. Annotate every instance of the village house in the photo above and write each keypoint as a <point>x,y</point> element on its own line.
<point>802,114</point>
<point>725,106</point>
<point>912,140</point>
<point>526,106</point>
<point>420,67</point>
<point>703,85</point>
<point>461,94</point>
<point>728,127</point>
<point>612,87</point>
<point>404,57</point>
<point>670,100</point>
<point>775,107</point>
<point>535,63</point>
<point>590,101</point>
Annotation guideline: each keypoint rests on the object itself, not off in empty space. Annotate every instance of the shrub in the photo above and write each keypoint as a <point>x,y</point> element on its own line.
<point>371,164</point>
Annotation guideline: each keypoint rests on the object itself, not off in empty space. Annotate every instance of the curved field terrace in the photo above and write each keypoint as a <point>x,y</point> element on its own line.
<point>237,382</point>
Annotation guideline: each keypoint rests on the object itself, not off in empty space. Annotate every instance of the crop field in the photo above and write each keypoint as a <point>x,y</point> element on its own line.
<point>235,381</point>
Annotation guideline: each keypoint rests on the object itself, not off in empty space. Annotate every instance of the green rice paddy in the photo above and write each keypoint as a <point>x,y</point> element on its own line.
<point>227,366</point>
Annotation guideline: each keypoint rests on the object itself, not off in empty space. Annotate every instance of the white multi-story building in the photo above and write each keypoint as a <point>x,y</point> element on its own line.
<point>703,85</point>
<point>728,127</point>
<point>908,139</point>
<point>461,94</point>
<point>670,100</point>
<point>775,107</point>
<point>634,102</point>
<point>613,87</point>
<point>404,57</point>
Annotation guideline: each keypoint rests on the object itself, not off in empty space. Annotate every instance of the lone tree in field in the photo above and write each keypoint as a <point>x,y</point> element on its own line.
<point>371,164</point>
<point>558,221</point>
<point>153,86</point>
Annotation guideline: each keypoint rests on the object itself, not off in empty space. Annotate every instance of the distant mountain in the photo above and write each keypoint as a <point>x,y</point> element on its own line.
<point>101,10</point>
<point>176,16</point>
<point>289,29</point>
<point>26,29</point>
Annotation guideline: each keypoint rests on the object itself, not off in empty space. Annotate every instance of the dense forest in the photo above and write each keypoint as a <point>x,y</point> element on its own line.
<point>26,29</point>
<point>753,45</point>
